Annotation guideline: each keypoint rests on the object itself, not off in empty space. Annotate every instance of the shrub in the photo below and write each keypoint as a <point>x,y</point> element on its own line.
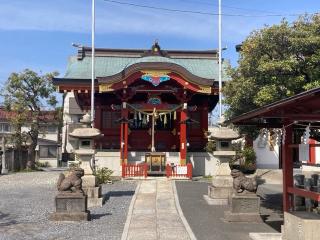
<point>73,165</point>
<point>103,175</point>
<point>211,146</point>
<point>42,164</point>
<point>245,159</point>
<point>249,155</point>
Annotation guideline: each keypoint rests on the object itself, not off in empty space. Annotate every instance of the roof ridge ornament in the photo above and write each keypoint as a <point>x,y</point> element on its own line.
<point>155,47</point>
<point>155,51</point>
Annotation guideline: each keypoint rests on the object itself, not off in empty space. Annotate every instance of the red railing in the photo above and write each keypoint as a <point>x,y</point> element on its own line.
<point>133,170</point>
<point>179,171</point>
<point>304,193</point>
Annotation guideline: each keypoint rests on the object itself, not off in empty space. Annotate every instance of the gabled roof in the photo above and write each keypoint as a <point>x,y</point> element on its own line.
<point>301,107</point>
<point>110,62</point>
<point>110,65</point>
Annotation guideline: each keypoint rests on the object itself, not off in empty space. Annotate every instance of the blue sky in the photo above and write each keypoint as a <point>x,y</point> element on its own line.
<point>37,34</point>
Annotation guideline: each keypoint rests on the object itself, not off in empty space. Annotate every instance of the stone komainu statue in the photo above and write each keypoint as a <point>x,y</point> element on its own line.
<point>71,183</point>
<point>241,183</point>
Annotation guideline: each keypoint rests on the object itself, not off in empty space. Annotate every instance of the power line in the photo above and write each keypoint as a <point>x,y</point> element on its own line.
<point>198,12</point>
<point>226,6</point>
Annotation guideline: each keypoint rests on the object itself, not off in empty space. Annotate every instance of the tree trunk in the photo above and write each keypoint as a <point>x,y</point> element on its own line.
<point>248,141</point>
<point>32,149</point>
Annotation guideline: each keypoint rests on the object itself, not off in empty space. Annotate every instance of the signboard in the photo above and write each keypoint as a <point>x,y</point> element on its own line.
<point>182,170</point>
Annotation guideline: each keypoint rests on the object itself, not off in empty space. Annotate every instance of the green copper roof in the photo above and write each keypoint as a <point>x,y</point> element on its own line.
<point>109,65</point>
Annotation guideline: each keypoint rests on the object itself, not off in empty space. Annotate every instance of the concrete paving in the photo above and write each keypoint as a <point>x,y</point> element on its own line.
<point>207,221</point>
<point>154,214</point>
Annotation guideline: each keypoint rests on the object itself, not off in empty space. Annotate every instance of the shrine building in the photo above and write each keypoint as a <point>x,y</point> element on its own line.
<point>145,101</point>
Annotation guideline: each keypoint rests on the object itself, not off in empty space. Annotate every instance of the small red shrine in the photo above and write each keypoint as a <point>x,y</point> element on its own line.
<point>146,100</point>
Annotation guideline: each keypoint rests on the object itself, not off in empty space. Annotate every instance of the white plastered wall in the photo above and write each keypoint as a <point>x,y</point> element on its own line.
<point>267,155</point>
<point>204,164</point>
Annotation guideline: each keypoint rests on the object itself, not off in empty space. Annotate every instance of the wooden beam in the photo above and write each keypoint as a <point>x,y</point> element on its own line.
<point>297,145</point>
<point>260,125</point>
<point>304,193</point>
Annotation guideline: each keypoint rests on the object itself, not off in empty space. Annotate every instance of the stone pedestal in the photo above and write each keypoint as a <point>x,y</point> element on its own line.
<point>70,207</point>
<point>220,190</point>
<point>89,181</point>
<point>244,208</point>
<point>301,226</point>
<point>92,190</point>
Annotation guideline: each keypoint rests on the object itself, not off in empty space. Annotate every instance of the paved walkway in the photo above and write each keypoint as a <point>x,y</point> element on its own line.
<point>207,221</point>
<point>154,214</point>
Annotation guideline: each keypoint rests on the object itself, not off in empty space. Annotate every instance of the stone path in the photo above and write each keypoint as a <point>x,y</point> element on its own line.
<point>154,214</point>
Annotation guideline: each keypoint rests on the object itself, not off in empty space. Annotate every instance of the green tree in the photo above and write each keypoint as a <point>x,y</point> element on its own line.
<point>275,62</point>
<point>25,95</point>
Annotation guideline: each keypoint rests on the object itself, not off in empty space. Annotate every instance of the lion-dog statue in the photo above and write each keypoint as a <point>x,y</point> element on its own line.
<point>71,183</point>
<point>241,183</point>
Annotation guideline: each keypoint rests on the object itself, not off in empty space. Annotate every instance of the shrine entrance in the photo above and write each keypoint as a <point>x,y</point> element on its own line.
<point>156,163</point>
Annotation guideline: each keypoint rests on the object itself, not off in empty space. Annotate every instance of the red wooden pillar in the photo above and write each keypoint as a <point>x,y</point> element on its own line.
<point>121,143</point>
<point>97,123</point>
<point>287,167</point>
<point>204,123</point>
<point>124,134</point>
<point>125,130</point>
<point>312,151</point>
<point>98,118</point>
<point>183,137</point>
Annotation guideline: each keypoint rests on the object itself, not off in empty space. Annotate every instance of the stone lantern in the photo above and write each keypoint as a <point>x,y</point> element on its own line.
<point>221,188</point>
<point>85,154</point>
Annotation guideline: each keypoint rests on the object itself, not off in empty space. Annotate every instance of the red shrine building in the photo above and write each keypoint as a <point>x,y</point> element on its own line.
<point>145,101</point>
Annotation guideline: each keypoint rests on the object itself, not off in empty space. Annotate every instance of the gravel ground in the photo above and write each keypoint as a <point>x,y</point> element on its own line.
<point>27,199</point>
<point>207,221</point>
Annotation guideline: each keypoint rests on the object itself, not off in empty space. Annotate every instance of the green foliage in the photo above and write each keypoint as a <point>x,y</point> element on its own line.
<point>103,175</point>
<point>25,94</point>
<point>207,177</point>
<point>245,159</point>
<point>42,164</point>
<point>236,146</point>
<point>211,146</point>
<point>249,155</point>
<point>275,62</point>
<point>73,165</point>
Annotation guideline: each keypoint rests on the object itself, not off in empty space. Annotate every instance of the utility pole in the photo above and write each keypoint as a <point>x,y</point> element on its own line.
<point>92,61</point>
<point>220,64</point>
